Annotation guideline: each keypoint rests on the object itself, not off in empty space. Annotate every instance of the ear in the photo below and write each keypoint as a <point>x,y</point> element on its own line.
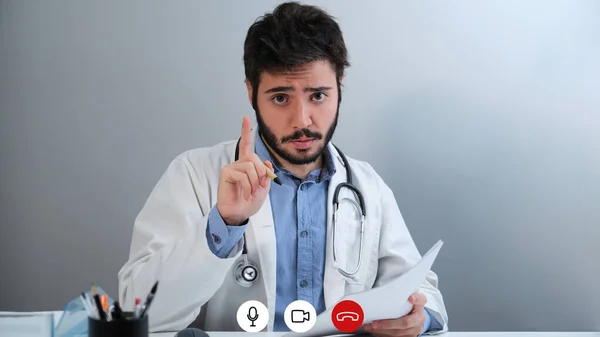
<point>341,80</point>
<point>249,88</point>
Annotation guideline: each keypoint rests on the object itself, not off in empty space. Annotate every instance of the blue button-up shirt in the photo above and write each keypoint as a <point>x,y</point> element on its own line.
<point>300,217</point>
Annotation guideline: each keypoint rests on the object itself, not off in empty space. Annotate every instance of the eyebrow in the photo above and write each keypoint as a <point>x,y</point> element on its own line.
<point>288,89</point>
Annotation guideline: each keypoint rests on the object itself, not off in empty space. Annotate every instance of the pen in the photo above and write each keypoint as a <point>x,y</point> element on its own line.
<point>101,313</point>
<point>116,311</point>
<point>92,305</point>
<point>86,305</point>
<point>137,307</point>
<point>149,300</point>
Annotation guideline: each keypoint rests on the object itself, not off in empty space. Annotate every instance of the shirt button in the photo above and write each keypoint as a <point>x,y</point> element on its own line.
<point>304,233</point>
<point>216,238</point>
<point>304,284</point>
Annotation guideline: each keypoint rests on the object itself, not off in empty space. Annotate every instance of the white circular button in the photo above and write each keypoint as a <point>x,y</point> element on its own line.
<point>300,316</point>
<point>252,316</point>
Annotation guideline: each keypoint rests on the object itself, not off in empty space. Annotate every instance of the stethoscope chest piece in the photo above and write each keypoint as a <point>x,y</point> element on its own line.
<point>245,273</point>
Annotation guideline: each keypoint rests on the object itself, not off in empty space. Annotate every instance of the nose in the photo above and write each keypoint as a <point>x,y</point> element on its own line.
<point>301,117</point>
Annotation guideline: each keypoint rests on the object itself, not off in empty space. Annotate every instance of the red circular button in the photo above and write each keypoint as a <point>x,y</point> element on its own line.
<point>347,316</point>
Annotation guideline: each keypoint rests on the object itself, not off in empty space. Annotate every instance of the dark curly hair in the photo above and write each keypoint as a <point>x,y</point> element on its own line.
<point>291,36</point>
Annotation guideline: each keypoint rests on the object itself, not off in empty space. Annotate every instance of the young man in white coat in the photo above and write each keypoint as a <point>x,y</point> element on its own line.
<point>190,234</point>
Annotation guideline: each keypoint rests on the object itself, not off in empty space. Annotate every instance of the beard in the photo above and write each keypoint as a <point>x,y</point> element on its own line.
<point>302,157</point>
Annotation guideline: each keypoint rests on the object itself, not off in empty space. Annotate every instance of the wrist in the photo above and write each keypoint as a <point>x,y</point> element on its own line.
<point>235,222</point>
<point>232,221</point>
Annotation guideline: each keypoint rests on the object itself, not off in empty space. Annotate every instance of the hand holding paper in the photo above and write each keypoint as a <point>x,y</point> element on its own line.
<point>409,325</point>
<point>388,302</point>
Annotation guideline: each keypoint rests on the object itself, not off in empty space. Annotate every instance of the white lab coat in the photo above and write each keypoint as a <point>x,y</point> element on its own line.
<point>169,244</point>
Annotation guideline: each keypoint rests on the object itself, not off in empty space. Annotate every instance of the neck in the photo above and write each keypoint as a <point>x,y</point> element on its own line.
<point>300,171</point>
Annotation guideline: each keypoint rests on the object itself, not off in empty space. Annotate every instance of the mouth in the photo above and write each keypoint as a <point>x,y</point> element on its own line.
<point>303,143</point>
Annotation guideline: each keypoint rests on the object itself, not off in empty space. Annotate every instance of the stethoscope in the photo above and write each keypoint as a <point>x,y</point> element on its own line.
<point>246,272</point>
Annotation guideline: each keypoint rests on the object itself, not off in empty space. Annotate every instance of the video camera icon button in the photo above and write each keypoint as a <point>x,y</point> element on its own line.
<point>300,316</point>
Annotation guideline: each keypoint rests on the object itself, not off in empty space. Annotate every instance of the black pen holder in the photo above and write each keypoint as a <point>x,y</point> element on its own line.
<point>126,326</point>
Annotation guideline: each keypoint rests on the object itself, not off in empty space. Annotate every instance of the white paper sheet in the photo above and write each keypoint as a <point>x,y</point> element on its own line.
<point>385,302</point>
<point>26,324</point>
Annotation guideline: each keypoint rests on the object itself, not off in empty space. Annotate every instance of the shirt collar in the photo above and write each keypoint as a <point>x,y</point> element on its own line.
<point>319,174</point>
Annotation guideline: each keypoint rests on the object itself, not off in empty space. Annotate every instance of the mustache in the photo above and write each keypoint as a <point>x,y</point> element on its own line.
<point>298,134</point>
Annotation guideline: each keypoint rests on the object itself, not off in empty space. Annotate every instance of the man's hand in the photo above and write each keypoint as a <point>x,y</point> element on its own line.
<point>410,325</point>
<point>243,184</point>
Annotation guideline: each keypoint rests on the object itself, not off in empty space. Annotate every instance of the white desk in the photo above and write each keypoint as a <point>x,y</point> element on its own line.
<point>448,334</point>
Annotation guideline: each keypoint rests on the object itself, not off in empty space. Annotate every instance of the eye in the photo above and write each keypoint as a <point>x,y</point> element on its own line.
<point>319,96</point>
<point>280,99</point>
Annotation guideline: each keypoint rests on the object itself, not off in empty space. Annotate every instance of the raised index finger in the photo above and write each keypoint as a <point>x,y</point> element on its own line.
<point>246,140</point>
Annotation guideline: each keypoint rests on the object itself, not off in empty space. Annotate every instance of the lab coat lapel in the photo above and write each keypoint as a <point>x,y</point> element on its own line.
<point>263,229</point>
<point>334,282</point>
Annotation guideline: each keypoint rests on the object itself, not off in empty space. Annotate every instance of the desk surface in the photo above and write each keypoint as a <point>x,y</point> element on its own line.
<point>448,334</point>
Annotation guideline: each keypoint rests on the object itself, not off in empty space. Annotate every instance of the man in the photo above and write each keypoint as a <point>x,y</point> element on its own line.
<point>190,234</point>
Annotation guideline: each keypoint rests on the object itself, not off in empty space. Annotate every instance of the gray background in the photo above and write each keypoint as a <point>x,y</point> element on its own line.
<point>483,116</point>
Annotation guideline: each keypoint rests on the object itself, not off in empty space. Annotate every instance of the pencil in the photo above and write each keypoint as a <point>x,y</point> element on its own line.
<point>274,177</point>
<point>96,297</point>
<point>270,173</point>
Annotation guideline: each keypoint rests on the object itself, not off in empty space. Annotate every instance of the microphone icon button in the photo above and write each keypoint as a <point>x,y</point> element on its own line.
<point>252,316</point>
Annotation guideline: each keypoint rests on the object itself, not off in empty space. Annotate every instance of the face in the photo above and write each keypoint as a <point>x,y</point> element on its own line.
<point>297,113</point>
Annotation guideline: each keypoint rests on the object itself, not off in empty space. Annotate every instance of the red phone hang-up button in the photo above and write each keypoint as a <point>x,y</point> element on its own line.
<point>347,316</point>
